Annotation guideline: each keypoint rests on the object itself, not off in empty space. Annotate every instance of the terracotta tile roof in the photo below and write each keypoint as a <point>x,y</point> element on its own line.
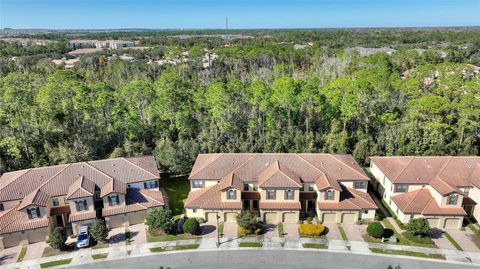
<point>231,181</point>
<point>276,176</point>
<point>444,173</point>
<point>82,187</point>
<point>37,197</point>
<point>136,200</point>
<point>294,205</point>
<point>113,186</point>
<point>127,171</point>
<point>82,215</point>
<point>250,195</point>
<point>11,221</point>
<point>248,167</point>
<point>60,210</point>
<point>147,163</point>
<point>350,199</point>
<point>209,198</point>
<point>323,183</point>
<point>422,202</point>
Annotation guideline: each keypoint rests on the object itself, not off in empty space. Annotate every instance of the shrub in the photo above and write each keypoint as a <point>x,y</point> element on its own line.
<point>419,227</point>
<point>160,219</point>
<point>191,226</point>
<point>57,238</point>
<point>99,230</point>
<point>242,231</point>
<point>311,229</point>
<point>309,220</point>
<point>375,229</point>
<point>248,221</point>
<point>418,238</point>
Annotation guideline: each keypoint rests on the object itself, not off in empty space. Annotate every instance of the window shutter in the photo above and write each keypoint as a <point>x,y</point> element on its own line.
<point>325,195</point>
<point>333,195</point>
<point>203,183</point>
<point>456,199</point>
<point>118,199</point>
<point>145,185</point>
<point>77,206</point>
<point>109,201</point>
<point>274,194</point>
<point>29,214</point>
<point>286,195</point>
<point>38,212</point>
<point>234,195</point>
<point>84,204</point>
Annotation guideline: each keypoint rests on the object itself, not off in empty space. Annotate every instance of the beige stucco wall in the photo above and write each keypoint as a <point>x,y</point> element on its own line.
<point>350,184</point>
<point>279,196</point>
<point>385,188</point>
<point>203,214</point>
<point>121,201</point>
<point>90,204</point>
<point>475,195</point>
<point>43,212</point>
<point>321,196</point>
<point>224,196</point>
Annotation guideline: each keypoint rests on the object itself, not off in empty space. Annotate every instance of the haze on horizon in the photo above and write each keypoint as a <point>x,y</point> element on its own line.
<point>208,14</point>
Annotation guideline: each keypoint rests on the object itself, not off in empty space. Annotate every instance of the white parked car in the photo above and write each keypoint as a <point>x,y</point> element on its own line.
<point>83,238</point>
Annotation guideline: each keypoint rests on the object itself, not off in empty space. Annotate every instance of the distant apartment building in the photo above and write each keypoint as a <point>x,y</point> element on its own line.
<point>81,43</point>
<point>34,201</point>
<point>100,44</point>
<point>442,189</point>
<point>279,187</point>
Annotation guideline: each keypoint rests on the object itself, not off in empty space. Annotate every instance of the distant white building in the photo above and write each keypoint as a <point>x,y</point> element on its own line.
<point>120,44</point>
<point>68,63</point>
<point>82,43</point>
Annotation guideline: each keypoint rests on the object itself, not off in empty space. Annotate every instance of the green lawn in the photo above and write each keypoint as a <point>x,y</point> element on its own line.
<point>280,229</point>
<point>402,240</point>
<point>55,263</point>
<point>250,245</point>
<point>220,228</point>
<point>22,253</point>
<point>181,247</point>
<point>169,237</point>
<point>177,189</point>
<point>408,253</point>
<point>342,232</point>
<point>314,245</point>
<point>157,249</point>
<point>100,245</point>
<point>99,256</point>
<point>454,243</point>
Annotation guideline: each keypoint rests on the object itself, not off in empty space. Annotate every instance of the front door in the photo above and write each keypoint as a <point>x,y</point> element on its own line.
<point>59,220</point>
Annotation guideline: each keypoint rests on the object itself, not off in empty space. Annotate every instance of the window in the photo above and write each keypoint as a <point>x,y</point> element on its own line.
<point>232,195</point>
<point>365,211</point>
<point>246,204</point>
<point>113,200</point>
<point>150,184</point>
<point>55,201</point>
<point>288,194</point>
<point>255,204</point>
<point>412,216</point>
<point>466,191</point>
<point>198,184</point>
<point>452,199</point>
<point>245,186</point>
<point>1,207</point>
<point>271,194</point>
<point>310,187</point>
<point>329,195</point>
<point>194,210</point>
<point>401,188</point>
<point>33,212</point>
<point>359,184</point>
<point>255,187</point>
<point>81,205</point>
<point>65,201</point>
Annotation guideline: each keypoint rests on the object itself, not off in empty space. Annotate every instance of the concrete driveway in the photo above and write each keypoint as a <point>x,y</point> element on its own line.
<point>463,239</point>
<point>270,230</point>
<point>209,230</point>
<point>9,255</point>
<point>290,230</point>
<point>35,250</point>
<point>333,232</point>
<point>440,240</point>
<point>354,232</point>
<point>116,236</point>
<point>230,230</point>
<point>138,233</point>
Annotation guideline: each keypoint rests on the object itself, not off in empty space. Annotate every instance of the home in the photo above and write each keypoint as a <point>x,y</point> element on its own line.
<point>442,189</point>
<point>36,200</point>
<point>279,187</point>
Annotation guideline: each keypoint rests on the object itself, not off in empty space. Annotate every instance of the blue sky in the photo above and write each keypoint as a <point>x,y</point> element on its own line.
<point>174,14</point>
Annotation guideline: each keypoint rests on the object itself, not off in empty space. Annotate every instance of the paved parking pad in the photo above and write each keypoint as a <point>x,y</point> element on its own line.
<point>35,251</point>
<point>290,230</point>
<point>353,231</point>
<point>463,239</point>
<point>9,255</point>
<point>138,233</point>
<point>230,230</point>
<point>332,231</point>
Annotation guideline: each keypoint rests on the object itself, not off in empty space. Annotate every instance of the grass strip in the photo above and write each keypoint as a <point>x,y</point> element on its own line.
<point>250,245</point>
<point>454,243</point>
<point>280,229</point>
<point>408,253</point>
<point>55,263</point>
<point>342,233</point>
<point>99,256</point>
<point>22,253</point>
<point>169,237</point>
<point>315,245</point>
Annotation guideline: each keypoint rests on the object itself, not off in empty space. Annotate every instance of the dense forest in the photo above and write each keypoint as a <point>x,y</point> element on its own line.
<point>264,93</point>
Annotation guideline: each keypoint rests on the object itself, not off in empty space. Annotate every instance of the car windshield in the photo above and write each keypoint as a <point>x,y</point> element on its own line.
<point>82,236</point>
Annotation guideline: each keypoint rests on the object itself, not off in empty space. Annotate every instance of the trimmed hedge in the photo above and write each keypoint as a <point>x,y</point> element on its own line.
<point>191,226</point>
<point>311,229</point>
<point>375,229</point>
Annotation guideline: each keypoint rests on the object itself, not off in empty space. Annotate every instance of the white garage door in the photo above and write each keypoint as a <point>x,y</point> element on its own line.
<point>349,218</point>
<point>290,217</point>
<point>452,223</point>
<point>37,236</point>
<point>230,217</point>
<point>270,217</point>
<point>433,222</point>
<point>11,240</point>
<point>211,216</point>
<point>329,217</point>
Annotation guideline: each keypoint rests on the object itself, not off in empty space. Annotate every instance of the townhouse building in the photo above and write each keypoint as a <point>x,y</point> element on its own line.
<point>279,187</point>
<point>442,189</point>
<point>34,201</point>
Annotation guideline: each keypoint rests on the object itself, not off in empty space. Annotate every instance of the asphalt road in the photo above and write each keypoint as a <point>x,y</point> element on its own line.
<point>267,258</point>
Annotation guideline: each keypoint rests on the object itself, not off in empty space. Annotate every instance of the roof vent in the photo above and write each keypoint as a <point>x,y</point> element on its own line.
<point>114,170</point>
<point>131,169</point>
<point>113,164</point>
<point>266,164</point>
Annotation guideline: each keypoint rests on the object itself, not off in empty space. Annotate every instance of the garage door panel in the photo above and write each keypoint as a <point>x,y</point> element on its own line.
<point>329,217</point>
<point>230,217</point>
<point>271,217</point>
<point>36,236</point>
<point>290,217</point>
<point>349,218</point>
<point>433,222</point>
<point>136,218</point>
<point>211,216</point>
<point>11,240</point>
<point>115,222</point>
<point>452,223</point>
